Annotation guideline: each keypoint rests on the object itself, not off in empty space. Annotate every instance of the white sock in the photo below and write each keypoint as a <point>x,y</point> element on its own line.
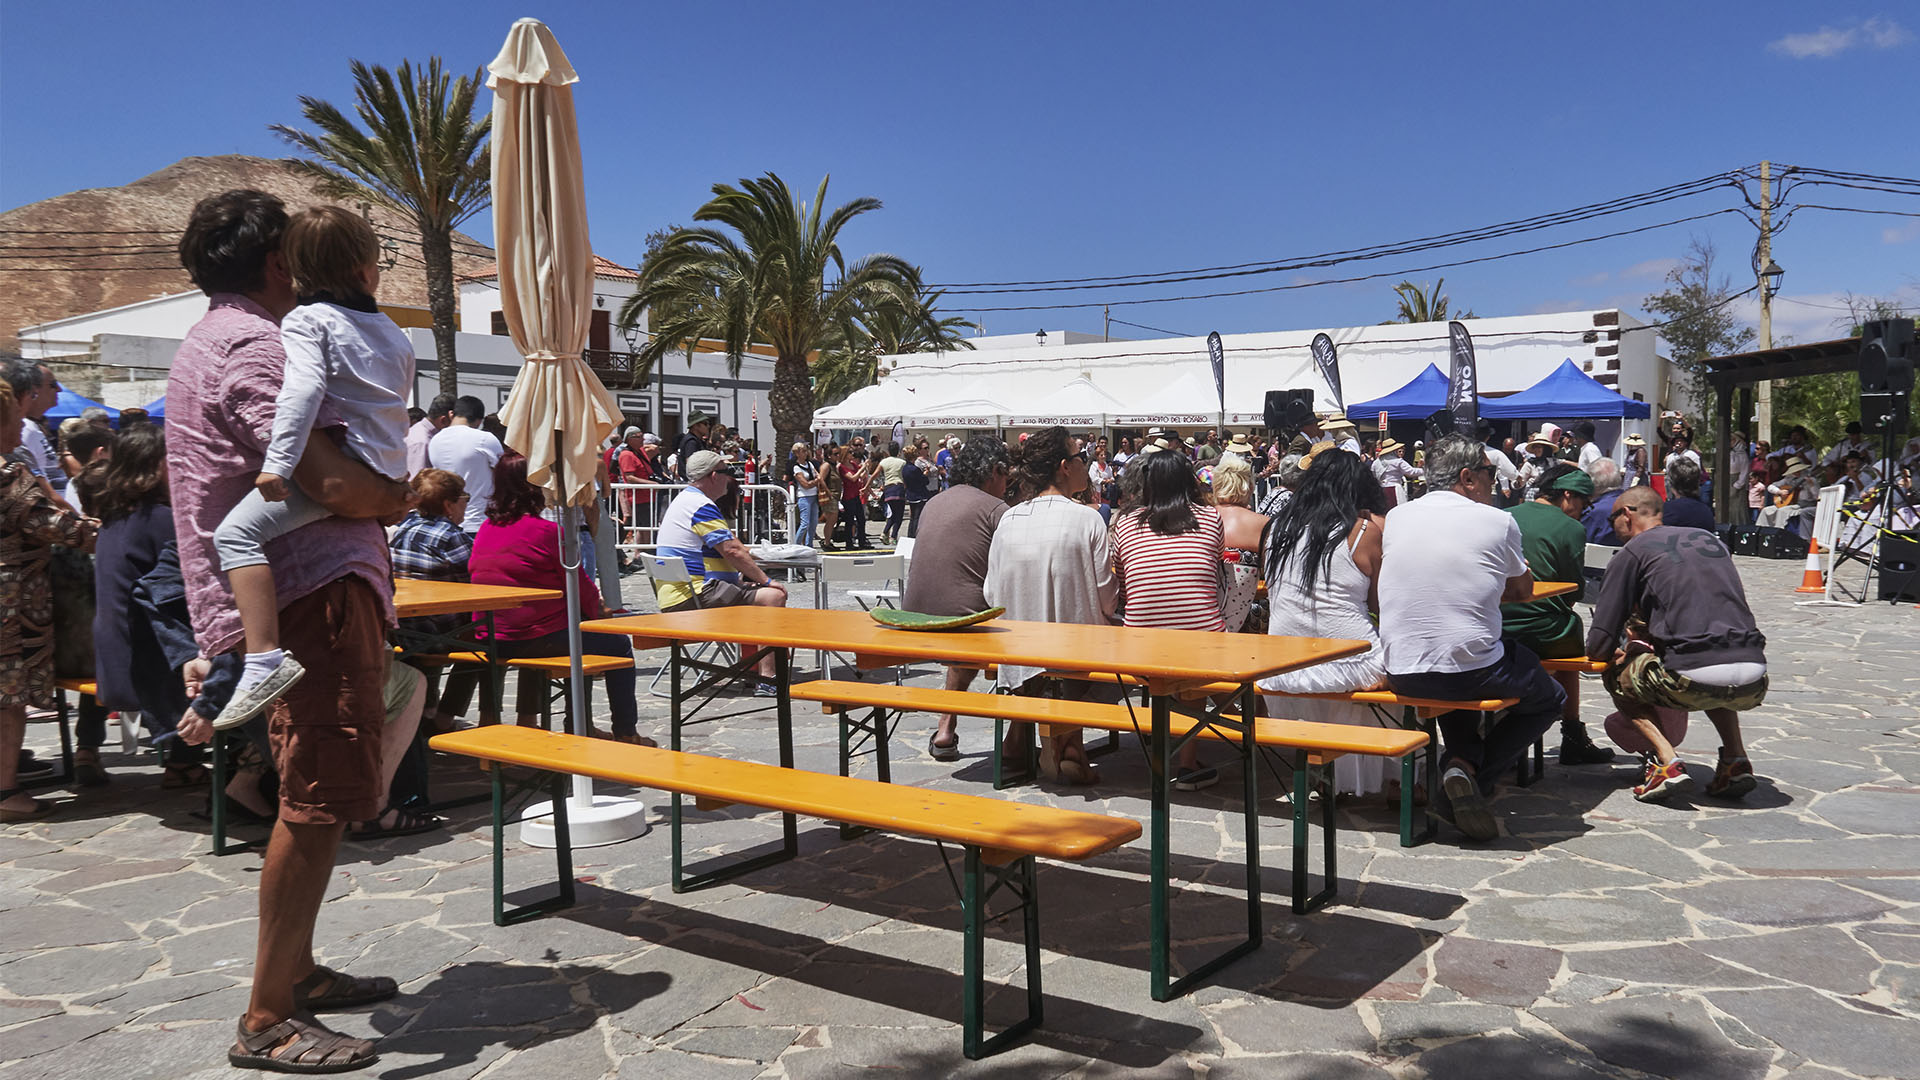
<point>259,666</point>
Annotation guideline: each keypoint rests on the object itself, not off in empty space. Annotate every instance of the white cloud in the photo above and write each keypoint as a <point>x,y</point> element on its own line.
<point>1900,234</point>
<point>1831,41</point>
<point>1652,268</point>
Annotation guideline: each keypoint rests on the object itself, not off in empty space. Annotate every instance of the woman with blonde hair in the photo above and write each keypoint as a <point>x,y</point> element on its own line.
<point>1233,498</point>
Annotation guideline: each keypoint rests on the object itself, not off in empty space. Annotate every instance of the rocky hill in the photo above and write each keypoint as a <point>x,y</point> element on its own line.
<point>105,247</point>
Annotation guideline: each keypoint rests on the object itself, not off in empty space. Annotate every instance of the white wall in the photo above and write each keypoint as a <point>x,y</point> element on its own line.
<point>166,317</point>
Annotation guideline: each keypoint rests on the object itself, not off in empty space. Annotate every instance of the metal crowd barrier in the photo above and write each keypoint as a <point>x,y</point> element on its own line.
<point>765,514</point>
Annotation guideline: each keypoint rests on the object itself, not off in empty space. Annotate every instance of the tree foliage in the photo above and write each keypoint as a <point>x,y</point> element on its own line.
<point>850,358</point>
<point>1696,310</point>
<point>418,148</point>
<point>1424,303</point>
<point>759,274</point>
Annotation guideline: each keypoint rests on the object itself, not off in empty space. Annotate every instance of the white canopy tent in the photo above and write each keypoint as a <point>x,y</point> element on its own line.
<point>1078,404</point>
<point>1169,380</point>
<point>1188,401</point>
<point>879,405</point>
<point>966,413</point>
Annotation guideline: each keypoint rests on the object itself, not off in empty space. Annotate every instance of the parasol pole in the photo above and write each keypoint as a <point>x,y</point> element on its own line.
<point>570,561</point>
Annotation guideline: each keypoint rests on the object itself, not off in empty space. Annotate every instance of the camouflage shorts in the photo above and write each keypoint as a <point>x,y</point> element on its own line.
<point>1644,680</point>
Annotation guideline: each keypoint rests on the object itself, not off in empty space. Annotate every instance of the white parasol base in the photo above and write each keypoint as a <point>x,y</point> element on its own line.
<point>609,820</point>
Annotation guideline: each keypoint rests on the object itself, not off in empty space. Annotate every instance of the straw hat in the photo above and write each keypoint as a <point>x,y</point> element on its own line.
<point>1795,466</point>
<point>1636,439</point>
<point>1318,449</point>
<point>1336,423</point>
<point>1391,446</point>
<point>1549,434</point>
<point>1239,445</point>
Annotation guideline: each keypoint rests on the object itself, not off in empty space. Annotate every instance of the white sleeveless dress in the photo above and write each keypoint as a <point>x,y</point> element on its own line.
<point>1336,608</point>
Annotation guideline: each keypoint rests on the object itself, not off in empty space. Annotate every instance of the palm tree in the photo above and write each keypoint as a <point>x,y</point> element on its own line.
<point>423,153</point>
<point>850,359</point>
<point>763,282</point>
<point>1424,304</point>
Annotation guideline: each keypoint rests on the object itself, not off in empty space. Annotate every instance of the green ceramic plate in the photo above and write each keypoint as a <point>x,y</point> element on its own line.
<point>914,620</point>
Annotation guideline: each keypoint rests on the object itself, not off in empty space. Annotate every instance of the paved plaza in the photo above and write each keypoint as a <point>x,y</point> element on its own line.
<point>1597,938</point>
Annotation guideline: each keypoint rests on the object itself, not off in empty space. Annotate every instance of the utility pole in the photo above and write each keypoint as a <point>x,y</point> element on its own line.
<point>1763,390</point>
<point>1106,322</point>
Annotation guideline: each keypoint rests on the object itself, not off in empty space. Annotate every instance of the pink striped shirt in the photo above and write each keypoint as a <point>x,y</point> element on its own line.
<point>1171,582</point>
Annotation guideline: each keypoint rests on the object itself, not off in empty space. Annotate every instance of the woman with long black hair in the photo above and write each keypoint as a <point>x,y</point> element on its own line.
<point>1323,558</point>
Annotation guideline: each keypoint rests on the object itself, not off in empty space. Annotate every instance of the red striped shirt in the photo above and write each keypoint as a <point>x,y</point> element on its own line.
<point>1171,582</point>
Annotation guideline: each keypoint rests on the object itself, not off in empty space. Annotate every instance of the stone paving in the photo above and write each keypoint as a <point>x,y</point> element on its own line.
<point>1597,938</point>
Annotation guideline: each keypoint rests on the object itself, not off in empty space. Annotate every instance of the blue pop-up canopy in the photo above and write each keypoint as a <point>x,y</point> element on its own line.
<point>157,408</point>
<point>1568,393</point>
<point>1419,399</point>
<point>70,404</point>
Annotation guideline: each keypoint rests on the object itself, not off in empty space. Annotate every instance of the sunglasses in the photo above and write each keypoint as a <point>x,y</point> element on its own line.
<point>1082,457</point>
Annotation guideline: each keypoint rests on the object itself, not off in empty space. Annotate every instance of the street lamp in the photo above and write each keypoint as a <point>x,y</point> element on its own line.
<point>1041,337</point>
<point>1770,278</point>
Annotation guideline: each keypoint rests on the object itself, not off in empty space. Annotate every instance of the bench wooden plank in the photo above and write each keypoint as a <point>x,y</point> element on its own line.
<point>561,667</point>
<point>1268,731</point>
<point>1577,663</point>
<point>973,820</point>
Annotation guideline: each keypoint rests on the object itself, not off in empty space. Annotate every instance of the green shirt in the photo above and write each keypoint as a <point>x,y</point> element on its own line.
<point>1556,550</point>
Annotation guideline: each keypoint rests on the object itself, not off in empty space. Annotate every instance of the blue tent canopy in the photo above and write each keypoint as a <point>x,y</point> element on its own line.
<point>1568,393</point>
<point>1419,399</point>
<point>157,408</point>
<point>70,404</point>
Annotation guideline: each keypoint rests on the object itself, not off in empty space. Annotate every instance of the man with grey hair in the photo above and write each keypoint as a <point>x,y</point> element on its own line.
<point>956,534</point>
<point>1607,484</point>
<point>1685,508</point>
<point>1448,561</point>
<point>35,390</point>
<point>97,417</point>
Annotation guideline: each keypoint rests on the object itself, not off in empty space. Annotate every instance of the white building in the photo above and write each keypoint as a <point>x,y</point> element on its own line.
<point>120,356</point>
<point>1170,380</point>
<point>677,388</point>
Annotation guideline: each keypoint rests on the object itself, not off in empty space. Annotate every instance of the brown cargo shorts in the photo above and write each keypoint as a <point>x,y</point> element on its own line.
<point>1644,680</point>
<point>326,731</point>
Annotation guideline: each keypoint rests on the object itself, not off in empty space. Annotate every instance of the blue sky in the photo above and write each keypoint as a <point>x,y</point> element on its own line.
<point>1023,141</point>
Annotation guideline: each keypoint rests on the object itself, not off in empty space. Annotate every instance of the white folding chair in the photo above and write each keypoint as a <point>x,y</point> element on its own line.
<point>662,570</point>
<point>864,569</point>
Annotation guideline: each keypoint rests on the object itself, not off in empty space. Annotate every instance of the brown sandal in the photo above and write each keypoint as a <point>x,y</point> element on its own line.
<point>296,1045</point>
<point>343,991</point>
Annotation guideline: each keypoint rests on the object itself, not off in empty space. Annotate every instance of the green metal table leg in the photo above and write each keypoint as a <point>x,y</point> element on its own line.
<point>1249,764</point>
<point>562,849</point>
<point>973,993</point>
<point>1159,757</point>
<point>1028,755</point>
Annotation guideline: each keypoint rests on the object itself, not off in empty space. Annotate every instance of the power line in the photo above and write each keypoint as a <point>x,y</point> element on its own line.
<point>1857,210</point>
<point>1362,277</point>
<point>1199,349</point>
<point>1155,329</point>
<point>1649,198</point>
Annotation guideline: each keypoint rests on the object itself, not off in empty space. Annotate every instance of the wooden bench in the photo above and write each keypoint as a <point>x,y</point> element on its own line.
<point>1002,838</point>
<point>1417,714</point>
<point>1310,745</point>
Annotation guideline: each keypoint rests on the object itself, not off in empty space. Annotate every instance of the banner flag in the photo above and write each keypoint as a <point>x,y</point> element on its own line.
<point>1463,386</point>
<point>1329,361</point>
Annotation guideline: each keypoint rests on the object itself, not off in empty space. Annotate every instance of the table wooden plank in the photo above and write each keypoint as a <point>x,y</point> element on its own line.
<point>414,597</point>
<point>1178,655</point>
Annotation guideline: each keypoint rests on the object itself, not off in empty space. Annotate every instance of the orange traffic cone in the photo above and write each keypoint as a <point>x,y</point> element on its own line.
<point>1812,580</point>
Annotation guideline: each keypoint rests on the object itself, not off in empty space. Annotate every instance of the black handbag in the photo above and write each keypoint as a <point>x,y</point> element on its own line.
<point>72,574</point>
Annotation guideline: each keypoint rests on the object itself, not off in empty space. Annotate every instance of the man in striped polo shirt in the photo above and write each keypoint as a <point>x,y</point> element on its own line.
<point>694,531</point>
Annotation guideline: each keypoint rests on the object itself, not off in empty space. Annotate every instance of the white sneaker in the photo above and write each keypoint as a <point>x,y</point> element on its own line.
<point>247,703</point>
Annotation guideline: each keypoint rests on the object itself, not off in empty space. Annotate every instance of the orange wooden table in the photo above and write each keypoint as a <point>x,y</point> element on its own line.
<point>1544,589</point>
<point>1169,661</point>
<point>413,597</point>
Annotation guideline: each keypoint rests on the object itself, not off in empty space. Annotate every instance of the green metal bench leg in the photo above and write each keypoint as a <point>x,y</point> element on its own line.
<point>874,727</point>
<point>217,800</point>
<point>1411,721</point>
<point>1028,754</point>
<point>1521,774</point>
<point>562,850</point>
<point>1303,771</point>
<point>973,903</point>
